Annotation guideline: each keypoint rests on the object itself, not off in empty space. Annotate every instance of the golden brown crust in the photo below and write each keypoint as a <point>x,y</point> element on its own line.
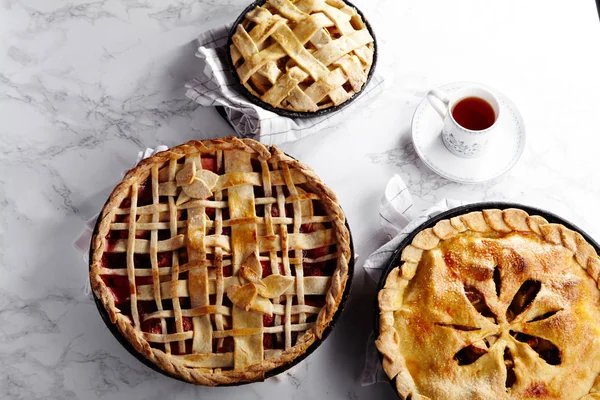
<point>470,250</point>
<point>302,56</point>
<point>171,364</point>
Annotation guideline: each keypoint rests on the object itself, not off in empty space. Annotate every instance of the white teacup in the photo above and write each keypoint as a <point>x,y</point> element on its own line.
<point>461,140</point>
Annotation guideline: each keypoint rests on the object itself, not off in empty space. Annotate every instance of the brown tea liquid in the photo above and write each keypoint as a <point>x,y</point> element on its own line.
<point>474,113</point>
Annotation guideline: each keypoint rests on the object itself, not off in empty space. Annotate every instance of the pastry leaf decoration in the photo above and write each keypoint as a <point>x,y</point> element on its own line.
<point>195,184</point>
<point>257,298</point>
<point>508,327</point>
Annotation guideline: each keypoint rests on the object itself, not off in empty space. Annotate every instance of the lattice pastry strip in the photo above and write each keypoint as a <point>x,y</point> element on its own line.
<point>220,257</point>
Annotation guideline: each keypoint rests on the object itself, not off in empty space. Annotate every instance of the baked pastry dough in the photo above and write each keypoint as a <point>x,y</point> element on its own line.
<point>493,305</point>
<point>302,55</point>
<point>221,260</point>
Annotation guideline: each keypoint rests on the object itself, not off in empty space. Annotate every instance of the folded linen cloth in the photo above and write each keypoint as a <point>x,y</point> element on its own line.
<point>398,219</point>
<point>217,85</point>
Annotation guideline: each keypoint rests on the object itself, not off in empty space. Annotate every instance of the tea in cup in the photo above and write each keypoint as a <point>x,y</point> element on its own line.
<point>470,117</point>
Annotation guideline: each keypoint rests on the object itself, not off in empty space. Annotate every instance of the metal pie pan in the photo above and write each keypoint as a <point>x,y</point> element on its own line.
<point>287,113</point>
<point>125,343</point>
<point>394,260</point>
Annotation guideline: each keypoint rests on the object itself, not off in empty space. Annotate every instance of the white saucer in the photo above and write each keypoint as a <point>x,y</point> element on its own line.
<point>505,148</point>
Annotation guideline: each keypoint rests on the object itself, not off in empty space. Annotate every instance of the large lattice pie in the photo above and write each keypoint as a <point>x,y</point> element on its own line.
<point>493,305</point>
<point>302,55</point>
<point>221,260</point>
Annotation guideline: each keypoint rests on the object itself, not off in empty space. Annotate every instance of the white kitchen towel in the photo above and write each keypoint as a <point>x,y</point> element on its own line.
<point>398,219</point>
<point>216,85</point>
<point>82,242</point>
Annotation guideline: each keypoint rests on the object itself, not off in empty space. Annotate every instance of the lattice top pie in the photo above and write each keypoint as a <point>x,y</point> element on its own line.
<point>493,305</point>
<point>221,260</point>
<point>303,55</point>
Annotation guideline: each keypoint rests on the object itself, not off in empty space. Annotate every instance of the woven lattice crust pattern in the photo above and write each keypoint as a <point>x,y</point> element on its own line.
<point>221,260</point>
<point>304,55</point>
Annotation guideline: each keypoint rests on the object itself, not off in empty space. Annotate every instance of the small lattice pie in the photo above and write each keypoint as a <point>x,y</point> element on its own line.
<point>221,260</point>
<point>493,305</point>
<point>302,55</point>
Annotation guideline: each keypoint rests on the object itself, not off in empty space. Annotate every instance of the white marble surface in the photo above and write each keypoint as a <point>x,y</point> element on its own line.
<point>85,84</point>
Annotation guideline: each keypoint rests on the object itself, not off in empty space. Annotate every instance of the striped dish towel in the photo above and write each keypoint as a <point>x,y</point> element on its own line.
<point>216,86</point>
<point>398,219</point>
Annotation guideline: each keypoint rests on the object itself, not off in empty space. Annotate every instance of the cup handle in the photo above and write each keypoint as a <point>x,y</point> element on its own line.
<point>439,100</point>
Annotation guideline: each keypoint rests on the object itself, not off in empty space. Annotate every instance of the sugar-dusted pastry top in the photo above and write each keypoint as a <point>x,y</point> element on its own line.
<point>221,260</point>
<point>302,55</point>
<point>493,305</point>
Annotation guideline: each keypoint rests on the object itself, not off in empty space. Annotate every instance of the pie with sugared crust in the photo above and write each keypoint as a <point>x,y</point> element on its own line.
<point>495,304</point>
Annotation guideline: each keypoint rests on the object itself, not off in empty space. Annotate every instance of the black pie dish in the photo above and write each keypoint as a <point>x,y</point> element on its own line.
<point>280,111</point>
<point>140,357</point>
<point>395,261</point>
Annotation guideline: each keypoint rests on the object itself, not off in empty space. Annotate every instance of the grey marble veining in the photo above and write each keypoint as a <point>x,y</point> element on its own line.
<point>84,85</point>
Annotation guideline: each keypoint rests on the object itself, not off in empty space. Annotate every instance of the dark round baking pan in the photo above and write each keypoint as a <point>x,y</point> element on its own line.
<point>115,331</point>
<point>394,260</point>
<point>284,112</point>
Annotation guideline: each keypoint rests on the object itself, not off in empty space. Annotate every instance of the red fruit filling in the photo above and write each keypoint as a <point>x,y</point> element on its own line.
<point>268,320</point>
<point>165,259</point>
<point>152,326</point>
<point>120,288</point>
<point>185,321</point>
<point>266,268</point>
<point>312,271</point>
<point>210,212</point>
<point>274,211</point>
<point>227,345</point>
<point>268,340</point>
<point>209,163</point>
<point>316,253</point>
<point>145,193</point>
<point>315,301</point>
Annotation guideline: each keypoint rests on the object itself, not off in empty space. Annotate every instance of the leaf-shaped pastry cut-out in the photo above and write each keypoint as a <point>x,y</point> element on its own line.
<point>468,355</point>
<point>198,190</point>
<point>523,298</point>
<point>251,275</point>
<point>275,286</point>
<point>497,281</point>
<point>477,299</point>
<point>208,177</point>
<point>251,268</point>
<point>186,175</point>
<point>460,327</point>
<point>243,296</point>
<point>262,305</point>
<point>545,348</point>
<point>544,316</point>
<point>509,364</point>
